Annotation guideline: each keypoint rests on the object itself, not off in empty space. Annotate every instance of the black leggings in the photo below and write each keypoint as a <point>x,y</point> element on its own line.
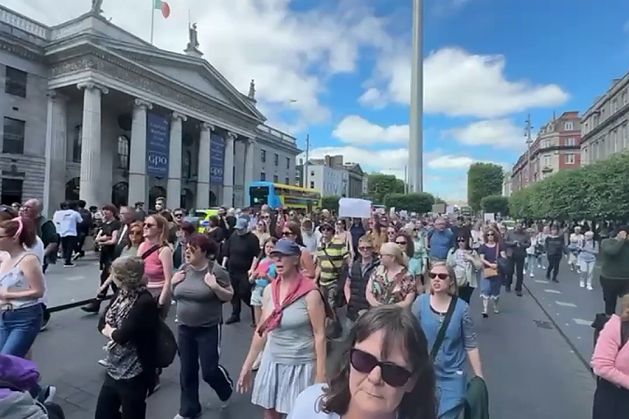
<point>553,266</point>
<point>122,399</point>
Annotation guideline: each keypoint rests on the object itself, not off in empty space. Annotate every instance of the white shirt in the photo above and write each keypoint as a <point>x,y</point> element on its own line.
<point>38,251</point>
<point>66,222</point>
<point>306,405</point>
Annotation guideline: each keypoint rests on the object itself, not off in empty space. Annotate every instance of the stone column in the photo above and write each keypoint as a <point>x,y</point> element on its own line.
<point>137,153</point>
<point>56,144</point>
<point>90,184</point>
<point>173,187</point>
<point>203,170</point>
<point>228,171</point>
<point>250,146</point>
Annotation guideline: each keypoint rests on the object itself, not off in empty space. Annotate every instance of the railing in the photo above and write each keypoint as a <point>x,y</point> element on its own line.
<point>277,133</point>
<point>23,23</point>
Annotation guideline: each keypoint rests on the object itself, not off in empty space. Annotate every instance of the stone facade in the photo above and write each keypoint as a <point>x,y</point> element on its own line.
<point>91,91</point>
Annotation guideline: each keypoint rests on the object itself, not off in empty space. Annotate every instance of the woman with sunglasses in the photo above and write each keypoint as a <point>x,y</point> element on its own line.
<point>200,289</point>
<point>441,308</point>
<point>466,264</point>
<point>158,260</point>
<point>356,283</point>
<point>386,373</point>
<point>341,233</point>
<point>292,231</point>
<point>491,279</point>
<point>262,232</point>
<point>377,233</point>
<point>391,283</point>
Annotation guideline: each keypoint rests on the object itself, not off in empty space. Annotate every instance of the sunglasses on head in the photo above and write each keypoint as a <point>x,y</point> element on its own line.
<point>392,374</point>
<point>441,276</point>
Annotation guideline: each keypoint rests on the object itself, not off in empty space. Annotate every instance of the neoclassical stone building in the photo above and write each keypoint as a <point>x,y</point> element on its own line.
<point>92,111</point>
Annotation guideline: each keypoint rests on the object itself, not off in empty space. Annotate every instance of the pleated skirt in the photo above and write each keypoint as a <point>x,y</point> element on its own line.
<point>276,385</point>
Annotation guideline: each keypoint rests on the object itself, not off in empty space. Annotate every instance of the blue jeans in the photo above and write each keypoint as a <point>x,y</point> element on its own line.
<point>200,344</point>
<point>18,329</point>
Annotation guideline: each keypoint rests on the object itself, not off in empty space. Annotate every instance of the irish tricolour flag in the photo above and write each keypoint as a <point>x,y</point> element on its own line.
<point>163,6</point>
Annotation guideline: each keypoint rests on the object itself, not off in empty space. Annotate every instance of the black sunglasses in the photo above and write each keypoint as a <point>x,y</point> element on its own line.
<point>392,374</point>
<point>400,242</point>
<point>286,233</point>
<point>461,241</point>
<point>441,276</point>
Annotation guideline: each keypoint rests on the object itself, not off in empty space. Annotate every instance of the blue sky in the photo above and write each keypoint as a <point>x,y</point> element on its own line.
<point>339,70</point>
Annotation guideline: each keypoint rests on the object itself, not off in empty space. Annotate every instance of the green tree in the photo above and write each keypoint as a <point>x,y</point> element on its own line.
<point>420,203</point>
<point>495,204</point>
<point>379,185</point>
<point>330,203</point>
<point>483,179</point>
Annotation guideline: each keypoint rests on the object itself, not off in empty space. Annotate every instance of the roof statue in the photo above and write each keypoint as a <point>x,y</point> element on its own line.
<point>96,6</point>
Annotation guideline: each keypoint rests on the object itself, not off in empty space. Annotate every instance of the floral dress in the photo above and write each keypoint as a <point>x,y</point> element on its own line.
<point>391,291</point>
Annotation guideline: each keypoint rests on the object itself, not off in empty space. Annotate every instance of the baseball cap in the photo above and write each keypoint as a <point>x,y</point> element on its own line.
<point>242,224</point>
<point>286,247</point>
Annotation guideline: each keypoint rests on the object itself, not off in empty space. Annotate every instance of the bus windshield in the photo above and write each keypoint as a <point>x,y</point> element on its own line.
<point>259,195</point>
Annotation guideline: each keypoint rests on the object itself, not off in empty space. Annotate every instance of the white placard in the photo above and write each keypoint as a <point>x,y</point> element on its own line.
<point>354,208</point>
<point>489,216</point>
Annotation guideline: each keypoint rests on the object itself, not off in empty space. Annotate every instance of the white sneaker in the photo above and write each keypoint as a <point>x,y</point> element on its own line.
<point>178,416</point>
<point>589,287</point>
<point>582,284</point>
<point>532,275</point>
<point>103,363</point>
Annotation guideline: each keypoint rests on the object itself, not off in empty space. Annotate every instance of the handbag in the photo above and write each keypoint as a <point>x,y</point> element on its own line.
<point>492,272</point>
<point>443,329</point>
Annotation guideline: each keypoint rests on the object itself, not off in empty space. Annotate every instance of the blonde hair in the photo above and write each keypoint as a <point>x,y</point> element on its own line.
<point>395,251</point>
<point>162,224</point>
<point>453,289</point>
<point>624,304</point>
<point>129,271</point>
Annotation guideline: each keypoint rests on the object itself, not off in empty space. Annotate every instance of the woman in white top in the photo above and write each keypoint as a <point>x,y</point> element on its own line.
<point>403,386</point>
<point>21,287</point>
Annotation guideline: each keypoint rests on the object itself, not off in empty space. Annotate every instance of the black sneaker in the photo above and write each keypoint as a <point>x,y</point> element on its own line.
<point>233,319</point>
<point>92,307</point>
<point>518,293</point>
<point>69,265</point>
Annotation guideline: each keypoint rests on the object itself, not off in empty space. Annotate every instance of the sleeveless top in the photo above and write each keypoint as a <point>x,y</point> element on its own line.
<point>292,343</point>
<point>153,269</point>
<point>14,280</point>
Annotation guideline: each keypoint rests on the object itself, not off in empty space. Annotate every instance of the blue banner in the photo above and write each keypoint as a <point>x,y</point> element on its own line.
<point>157,145</point>
<point>217,156</point>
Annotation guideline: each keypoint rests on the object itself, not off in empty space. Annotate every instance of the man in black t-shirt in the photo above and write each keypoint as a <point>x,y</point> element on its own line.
<point>83,229</point>
<point>107,238</point>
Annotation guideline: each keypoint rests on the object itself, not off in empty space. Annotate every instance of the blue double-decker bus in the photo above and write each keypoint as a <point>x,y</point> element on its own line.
<point>277,195</point>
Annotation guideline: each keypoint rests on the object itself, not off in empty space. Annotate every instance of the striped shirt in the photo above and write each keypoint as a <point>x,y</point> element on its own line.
<point>331,258</point>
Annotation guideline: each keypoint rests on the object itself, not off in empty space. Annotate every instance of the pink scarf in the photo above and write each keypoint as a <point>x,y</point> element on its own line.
<point>301,287</point>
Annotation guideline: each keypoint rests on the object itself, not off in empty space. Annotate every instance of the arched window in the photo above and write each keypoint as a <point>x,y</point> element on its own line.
<point>123,152</point>
<point>186,166</point>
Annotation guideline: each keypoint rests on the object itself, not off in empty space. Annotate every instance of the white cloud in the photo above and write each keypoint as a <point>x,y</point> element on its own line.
<point>355,129</point>
<point>459,83</point>
<point>498,133</point>
<point>449,161</point>
<point>288,53</point>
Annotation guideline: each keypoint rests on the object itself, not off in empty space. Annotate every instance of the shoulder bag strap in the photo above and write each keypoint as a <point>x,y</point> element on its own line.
<point>624,333</point>
<point>150,251</point>
<point>442,330</point>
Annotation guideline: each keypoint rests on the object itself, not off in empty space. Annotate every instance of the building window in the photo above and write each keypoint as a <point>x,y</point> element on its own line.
<point>312,173</point>
<point>11,191</point>
<point>275,179</point>
<point>15,83</point>
<point>545,144</point>
<point>571,142</point>
<point>547,160</point>
<point>288,162</point>
<point>186,165</point>
<point>287,181</point>
<point>123,152</point>
<point>263,156</point>
<point>569,126</point>
<point>76,144</point>
<point>570,158</point>
<point>262,176</point>
<point>311,185</point>
<point>276,159</point>
<point>13,139</point>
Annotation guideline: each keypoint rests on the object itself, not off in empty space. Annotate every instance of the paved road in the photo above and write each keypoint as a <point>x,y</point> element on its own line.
<point>531,369</point>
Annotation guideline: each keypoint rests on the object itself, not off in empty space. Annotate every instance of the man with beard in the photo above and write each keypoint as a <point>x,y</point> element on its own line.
<point>239,252</point>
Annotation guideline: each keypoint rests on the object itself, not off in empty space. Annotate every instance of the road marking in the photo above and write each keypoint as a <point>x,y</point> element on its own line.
<point>541,281</point>
<point>564,304</point>
<point>582,322</point>
<point>553,291</point>
<point>73,278</point>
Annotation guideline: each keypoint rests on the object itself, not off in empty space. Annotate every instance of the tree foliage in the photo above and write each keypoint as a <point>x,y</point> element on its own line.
<point>596,191</point>
<point>483,179</point>
<point>330,203</point>
<point>414,202</point>
<point>495,204</point>
<point>379,185</point>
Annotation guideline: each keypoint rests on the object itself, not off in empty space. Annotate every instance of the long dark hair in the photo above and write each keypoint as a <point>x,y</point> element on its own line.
<point>400,328</point>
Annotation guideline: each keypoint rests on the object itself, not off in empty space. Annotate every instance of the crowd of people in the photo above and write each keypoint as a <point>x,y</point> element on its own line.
<point>394,290</point>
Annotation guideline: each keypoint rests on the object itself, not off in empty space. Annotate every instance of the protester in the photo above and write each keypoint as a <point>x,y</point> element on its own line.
<point>490,252</point>
<point>263,274</point>
<point>292,231</point>
<point>466,264</point>
<point>615,268</point>
<point>516,242</point>
<point>555,249</point>
<point>390,283</point>
<point>356,283</point>
<point>67,221</point>
<point>440,240</point>
<point>587,260</point>
<point>261,232</point>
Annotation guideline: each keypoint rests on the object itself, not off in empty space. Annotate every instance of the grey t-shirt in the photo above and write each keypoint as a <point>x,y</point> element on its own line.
<point>197,304</point>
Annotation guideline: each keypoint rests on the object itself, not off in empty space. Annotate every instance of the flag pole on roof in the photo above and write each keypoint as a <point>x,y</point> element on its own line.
<point>163,7</point>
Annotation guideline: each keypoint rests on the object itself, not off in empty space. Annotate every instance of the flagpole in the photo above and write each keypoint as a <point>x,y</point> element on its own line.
<point>152,18</point>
